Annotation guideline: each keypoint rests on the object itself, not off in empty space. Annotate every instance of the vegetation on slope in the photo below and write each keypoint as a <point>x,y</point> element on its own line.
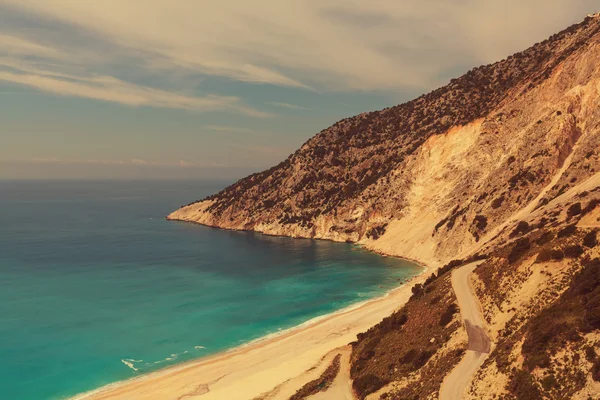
<point>343,161</point>
<point>320,384</point>
<point>545,350</point>
<point>410,344</point>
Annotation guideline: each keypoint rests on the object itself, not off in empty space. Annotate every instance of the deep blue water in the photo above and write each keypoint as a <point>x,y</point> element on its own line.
<point>91,275</point>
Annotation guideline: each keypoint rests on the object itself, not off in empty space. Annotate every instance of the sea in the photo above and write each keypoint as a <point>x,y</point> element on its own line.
<point>97,287</point>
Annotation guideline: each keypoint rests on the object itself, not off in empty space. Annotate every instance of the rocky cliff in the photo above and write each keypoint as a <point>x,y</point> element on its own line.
<point>448,167</point>
<point>502,164</point>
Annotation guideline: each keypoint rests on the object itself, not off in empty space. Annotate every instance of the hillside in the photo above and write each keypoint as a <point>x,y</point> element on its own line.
<point>503,165</point>
<point>517,121</point>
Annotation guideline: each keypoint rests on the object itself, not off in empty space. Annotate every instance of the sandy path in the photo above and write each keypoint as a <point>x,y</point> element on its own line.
<point>341,388</point>
<point>257,369</point>
<point>456,383</point>
<point>291,386</point>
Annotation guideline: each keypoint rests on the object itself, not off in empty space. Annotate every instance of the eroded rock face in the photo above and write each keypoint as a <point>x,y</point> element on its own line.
<point>436,177</point>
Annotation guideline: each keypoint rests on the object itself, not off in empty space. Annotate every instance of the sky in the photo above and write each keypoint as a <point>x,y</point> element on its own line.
<point>198,89</point>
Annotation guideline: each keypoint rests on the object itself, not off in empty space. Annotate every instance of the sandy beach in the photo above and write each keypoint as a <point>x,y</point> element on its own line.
<point>256,369</point>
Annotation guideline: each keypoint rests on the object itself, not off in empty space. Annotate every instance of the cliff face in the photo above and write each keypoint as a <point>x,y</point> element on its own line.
<point>439,176</point>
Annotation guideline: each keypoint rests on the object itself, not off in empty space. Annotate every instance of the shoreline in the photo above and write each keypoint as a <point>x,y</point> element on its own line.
<point>353,319</point>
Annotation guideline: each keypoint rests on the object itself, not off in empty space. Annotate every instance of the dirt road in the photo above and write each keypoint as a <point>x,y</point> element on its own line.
<point>455,385</point>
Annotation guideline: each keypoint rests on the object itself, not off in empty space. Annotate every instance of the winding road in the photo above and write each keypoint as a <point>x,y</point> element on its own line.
<point>456,383</point>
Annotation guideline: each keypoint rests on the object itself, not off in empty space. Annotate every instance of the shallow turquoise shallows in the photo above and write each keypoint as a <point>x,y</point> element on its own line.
<point>96,287</point>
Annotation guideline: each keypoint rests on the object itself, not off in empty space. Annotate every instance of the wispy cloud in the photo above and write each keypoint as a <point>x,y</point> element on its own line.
<point>103,50</point>
<point>18,46</point>
<point>286,105</point>
<point>131,162</point>
<point>108,88</point>
<point>333,44</point>
<point>111,89</point>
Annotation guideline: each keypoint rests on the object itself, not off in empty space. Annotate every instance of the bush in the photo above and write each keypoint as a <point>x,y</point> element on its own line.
<point>417,290</point>
<point>591,239</point>
<point>520,248</point>
<point>544,255</point>
<point>590,353</point>
<point>588,279</point>
<point>550,382</point>
<point>447,315</point>
<point>448,267</point>
<point>545,238</point>
<point>408,357</point>
<point>567,231</point>
<point>542,223</point>
<point>497,202</point>
<point>574,210</point>
<point>592,310</point>
<point>430,280</point>
<point>523,386</point>
<point>422,359</point>
<point>394,321</point>
<point>367,384</point>
<point>557,254</point>
<point>596,370</point>
<point>591,206</point>
<point>521,228</point>
<point>480,222</point>
<point>573,251</point>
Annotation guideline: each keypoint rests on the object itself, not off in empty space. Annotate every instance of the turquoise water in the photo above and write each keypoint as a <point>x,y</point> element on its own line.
<point>93,278</point>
